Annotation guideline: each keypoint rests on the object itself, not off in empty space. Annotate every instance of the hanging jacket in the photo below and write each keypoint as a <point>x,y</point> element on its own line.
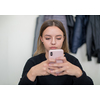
<point>93,37</point>
<point>61,18</point>
<point>39,22</point>
<point>79,35</point>
<point>70,24</point>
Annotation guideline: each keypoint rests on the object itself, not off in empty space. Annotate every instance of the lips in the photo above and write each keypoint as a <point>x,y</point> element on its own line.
<point>53,47</point>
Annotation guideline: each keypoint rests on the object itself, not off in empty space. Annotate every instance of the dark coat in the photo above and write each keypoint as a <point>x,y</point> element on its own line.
<point>70,24</point>
<point>93,37</point>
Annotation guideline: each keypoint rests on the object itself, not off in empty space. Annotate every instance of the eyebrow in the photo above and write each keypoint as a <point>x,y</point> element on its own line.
<point>50,35</point>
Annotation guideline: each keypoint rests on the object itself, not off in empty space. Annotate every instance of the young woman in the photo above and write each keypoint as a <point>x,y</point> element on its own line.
<point>37,69</point>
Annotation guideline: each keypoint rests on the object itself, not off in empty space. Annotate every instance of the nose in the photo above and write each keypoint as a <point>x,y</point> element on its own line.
<point>53,41</point>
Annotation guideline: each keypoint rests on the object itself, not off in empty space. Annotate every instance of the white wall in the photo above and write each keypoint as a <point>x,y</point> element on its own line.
<point>92,68</point>
<point>16,44</point>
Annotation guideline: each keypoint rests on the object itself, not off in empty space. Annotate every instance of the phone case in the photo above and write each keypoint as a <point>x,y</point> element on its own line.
<point>56,53</point>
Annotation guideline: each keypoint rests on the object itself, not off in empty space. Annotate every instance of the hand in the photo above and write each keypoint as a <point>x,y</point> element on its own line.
<point>40,69</point>
<point>66,68</point>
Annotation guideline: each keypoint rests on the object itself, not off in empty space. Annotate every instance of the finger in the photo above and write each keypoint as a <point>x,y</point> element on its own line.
<point>50,69</point>
<point>57,73</point>
<point>58,70</point>
<point>56,65</point>
<point>53,68</point>
<point>49,72</point>
<point>62,73</point>
<point>51,61</point>
<point>62,58</point>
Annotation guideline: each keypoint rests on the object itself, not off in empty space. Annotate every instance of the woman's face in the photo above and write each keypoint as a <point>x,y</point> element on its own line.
<point>52,38</point>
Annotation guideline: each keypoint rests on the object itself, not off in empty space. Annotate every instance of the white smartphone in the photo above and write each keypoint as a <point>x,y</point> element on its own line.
<point>55,54</point>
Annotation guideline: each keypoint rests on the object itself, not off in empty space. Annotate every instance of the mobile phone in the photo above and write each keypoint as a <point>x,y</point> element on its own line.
<point>55,54</point>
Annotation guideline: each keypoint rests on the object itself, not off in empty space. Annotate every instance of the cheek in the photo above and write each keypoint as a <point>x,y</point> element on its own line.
<point>46,44</point>
<point>60,42</point>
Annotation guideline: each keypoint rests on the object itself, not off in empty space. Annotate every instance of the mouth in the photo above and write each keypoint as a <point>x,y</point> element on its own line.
<point>53,47</point>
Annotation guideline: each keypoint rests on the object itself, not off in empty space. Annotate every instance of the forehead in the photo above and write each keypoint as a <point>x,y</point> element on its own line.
<point>52,31</point>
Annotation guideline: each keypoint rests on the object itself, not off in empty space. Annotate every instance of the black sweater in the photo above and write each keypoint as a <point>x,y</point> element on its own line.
<point>54,80</point>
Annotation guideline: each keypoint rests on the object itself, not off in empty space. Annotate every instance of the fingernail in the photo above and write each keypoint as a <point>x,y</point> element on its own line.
<point>52,71</point>
<point>49,64</point>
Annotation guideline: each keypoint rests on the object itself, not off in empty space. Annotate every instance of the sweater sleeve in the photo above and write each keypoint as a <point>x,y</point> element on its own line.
<point>24,79</point>
<point>84,79</point>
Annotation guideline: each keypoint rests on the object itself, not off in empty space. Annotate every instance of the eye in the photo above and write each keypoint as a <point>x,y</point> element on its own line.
<point>58,38</point>
<point>47,38</point>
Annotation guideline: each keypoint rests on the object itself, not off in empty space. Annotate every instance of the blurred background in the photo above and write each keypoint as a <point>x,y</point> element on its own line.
<point>18,43</point>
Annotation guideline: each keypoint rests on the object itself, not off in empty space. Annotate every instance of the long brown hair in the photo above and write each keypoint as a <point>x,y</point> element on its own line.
<point>40,46</point>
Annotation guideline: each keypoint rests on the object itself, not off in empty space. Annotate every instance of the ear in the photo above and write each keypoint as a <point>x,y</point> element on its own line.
<point>41,39</point>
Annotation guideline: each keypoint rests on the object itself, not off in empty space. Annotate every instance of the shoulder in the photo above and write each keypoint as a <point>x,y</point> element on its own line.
<point>38,58</point>
<point>71,58</point>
